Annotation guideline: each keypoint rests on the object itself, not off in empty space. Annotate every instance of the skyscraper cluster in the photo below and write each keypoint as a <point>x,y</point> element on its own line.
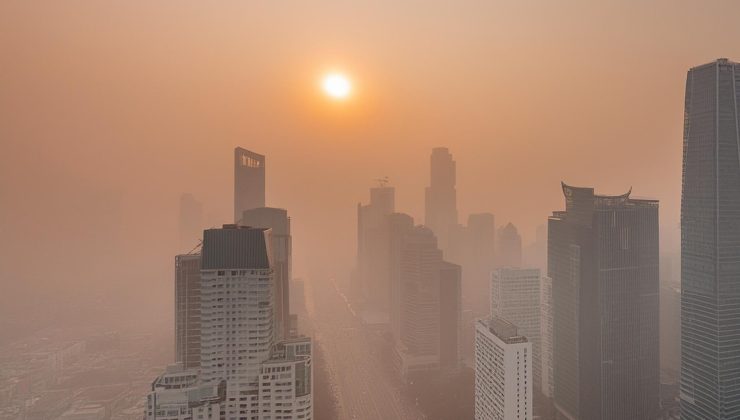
<point>235,355</point>
<point>599,303</point>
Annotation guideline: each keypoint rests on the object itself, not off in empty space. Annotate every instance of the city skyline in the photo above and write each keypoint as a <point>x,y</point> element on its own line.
<point>520,210</point>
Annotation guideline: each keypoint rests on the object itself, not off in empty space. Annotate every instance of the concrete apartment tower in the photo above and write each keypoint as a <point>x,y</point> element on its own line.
<point>603,262</point>
<point>710,244</point>
<point>503,371</point>
<point>249,181</point>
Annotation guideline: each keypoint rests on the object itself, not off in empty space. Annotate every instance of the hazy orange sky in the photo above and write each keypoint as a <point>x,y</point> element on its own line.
<point>110,110</point>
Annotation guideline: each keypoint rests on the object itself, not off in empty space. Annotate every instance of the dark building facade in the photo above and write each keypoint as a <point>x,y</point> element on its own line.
<point>710,244</point>
<point>249,181</point>
<point>603,262</point>
<point>187,310</point>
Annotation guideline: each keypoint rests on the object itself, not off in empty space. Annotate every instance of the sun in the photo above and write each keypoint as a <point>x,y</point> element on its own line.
<point>336,85</point>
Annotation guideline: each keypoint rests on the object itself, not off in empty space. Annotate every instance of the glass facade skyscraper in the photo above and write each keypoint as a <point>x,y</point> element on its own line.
<point>710,244</point>
<point>603,262</point>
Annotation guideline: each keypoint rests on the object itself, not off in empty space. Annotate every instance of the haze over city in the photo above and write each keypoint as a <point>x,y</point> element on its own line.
<point>111,111</point>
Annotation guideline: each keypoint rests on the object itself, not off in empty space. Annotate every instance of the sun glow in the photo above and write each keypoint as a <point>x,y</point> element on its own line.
<point>336,86</point>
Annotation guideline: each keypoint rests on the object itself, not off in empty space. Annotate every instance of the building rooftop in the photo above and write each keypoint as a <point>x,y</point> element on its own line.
<point>503,329</point>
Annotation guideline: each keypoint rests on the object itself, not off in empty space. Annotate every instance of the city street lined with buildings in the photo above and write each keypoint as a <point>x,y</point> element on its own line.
<point>364,389</point>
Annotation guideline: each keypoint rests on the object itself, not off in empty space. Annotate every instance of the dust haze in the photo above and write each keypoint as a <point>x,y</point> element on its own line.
<point>110,111</point>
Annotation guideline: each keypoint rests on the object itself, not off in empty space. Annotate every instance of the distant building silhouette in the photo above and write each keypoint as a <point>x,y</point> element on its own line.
<point>430,308</point>
<point>372,276</point>
<point>535,254</point>
<point>187,310</point>
<point>603,261</point>
<point>282,249</point>
<point>190,222</point>
<point>508,247</point>
<point>503,371</point>
<point>399,226</point>
<point>515,296</point>
<point>472,247</point>
<point>249,181</point>
<point>441,196</point>
<point>710,244</point>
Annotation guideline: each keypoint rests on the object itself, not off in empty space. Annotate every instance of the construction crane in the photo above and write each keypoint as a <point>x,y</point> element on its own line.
<point>197,248</point>
<point>382,182</point>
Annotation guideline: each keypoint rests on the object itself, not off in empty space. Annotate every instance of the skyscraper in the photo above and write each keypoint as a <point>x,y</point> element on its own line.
<point>441,196</point>
<point>503,371</point>
<point>429,307</point>
<point>710,244</point>
<point>472,247</point>
<point>187,310</point>
<point>373,249</point>
<point>508,247</point>
<point>603,261</point>
<point>282,249</point>
<point>245,372</point>
<point>237,312</point>
<point>399,225</point>
<point>249,181</point>
<point>515,296</point>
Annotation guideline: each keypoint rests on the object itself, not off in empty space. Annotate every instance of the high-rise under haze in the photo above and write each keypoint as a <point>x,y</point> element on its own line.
<point>371,282</point>
<point>245,371</point>
<point>503,371</point>
<point>515,296</point>
<point>603,262</point>
<point>187,310</point>
<point>282,249</point>
<point>472,247</point>
<point>249,181</point>
<point>429,307</point>
<point>710,244</point>
<point>440,210</point>
<point>508,247</point>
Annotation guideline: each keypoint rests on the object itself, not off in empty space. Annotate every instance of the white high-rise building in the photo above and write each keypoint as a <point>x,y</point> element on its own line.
<point>503,371</point>
<point>548,384</point>
<point>237,313</point>
<point>245,373</point>
<point>515,296</point>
